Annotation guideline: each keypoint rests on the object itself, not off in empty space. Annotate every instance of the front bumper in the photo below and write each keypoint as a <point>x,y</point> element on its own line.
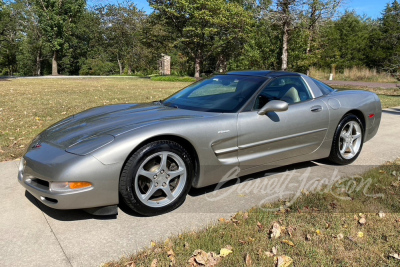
<point>41,166</point>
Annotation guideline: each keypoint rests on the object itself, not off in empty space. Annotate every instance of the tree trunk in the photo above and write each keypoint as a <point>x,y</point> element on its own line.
<point>55,65</point>
<point>222,64</point>
<point>38,65</point>
<point>121,70</point>
<point>285,47</point>
<point>197,68</point>
<point>285,9</point>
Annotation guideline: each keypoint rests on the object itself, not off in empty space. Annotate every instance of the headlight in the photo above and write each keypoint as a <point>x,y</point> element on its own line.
<point>89,145</point>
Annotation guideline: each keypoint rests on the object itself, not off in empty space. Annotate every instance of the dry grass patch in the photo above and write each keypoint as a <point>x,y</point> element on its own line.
<point>354,74</point>
<point>319,230</point>
<point>28,106</point>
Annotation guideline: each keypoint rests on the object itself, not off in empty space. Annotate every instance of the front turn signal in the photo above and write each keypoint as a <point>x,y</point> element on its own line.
<point>79,185</point>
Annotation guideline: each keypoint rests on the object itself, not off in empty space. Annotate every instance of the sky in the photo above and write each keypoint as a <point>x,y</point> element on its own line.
<point>370,8</point>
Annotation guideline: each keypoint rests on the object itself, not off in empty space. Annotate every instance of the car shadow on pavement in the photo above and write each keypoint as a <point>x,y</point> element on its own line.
<point>195,192</point>
<point>393,111</point>
<point>65,215</point>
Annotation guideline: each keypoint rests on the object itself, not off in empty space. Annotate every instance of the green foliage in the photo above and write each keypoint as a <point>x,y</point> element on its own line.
<point>205,28</point>
<point>201,36</point>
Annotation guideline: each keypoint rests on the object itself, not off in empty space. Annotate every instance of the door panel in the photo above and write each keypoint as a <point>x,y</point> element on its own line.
<point>268,138</point>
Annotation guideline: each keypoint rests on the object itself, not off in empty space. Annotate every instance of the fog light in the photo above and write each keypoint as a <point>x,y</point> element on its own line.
<point>68,186</point>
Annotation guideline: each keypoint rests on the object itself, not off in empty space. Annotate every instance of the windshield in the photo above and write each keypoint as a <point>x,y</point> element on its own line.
<point>222,93</point>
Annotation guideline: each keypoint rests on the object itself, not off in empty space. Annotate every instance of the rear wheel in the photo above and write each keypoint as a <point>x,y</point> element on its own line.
<point>347,141</point>
<point>156,178</point>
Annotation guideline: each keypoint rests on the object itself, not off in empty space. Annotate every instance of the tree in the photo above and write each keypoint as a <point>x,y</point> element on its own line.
<point>57,20</point>
<point>390,34</point>
<point>204,28</point>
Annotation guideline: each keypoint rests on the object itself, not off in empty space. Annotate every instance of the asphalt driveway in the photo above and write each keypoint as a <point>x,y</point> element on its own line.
<point>34,235</point>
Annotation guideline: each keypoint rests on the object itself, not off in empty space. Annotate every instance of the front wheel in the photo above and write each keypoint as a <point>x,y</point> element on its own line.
<point>156,178</point>
<point>347,141</point>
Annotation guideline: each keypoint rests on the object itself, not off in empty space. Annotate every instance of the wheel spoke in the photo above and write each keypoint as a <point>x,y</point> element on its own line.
<point>343,135</point>
<point>351,127</point>
<point>176,173</point>
<point>163,165</point>
<point>168,192</point>
<point>344,148</point>
<point>150,192</point>
<point>147,174</point>
<point>352,149</point>
<point>356,136</point>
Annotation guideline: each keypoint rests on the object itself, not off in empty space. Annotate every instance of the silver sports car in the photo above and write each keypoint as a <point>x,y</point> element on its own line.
<point>150,155</point>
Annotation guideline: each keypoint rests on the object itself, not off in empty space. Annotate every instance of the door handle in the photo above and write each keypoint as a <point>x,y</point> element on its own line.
<point>316,108</point>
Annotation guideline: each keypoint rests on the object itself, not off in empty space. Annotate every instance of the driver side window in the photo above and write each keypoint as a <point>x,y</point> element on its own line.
<point>289,89</point>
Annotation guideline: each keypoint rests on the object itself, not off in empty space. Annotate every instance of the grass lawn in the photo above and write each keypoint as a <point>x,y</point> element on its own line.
<point>28,106</point>
<point>320,229</point>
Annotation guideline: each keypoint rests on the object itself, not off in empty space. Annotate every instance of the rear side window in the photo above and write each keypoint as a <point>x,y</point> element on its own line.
<point>325,89</point>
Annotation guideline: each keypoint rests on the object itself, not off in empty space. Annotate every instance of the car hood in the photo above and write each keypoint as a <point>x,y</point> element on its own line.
<point>113,120</point>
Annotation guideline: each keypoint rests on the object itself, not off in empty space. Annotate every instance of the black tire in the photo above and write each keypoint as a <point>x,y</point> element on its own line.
<point>133,196</point>
<point>336,156</point>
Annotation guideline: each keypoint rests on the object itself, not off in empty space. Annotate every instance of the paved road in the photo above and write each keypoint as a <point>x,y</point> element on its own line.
<point>34,235</point>
<point>363,84</point>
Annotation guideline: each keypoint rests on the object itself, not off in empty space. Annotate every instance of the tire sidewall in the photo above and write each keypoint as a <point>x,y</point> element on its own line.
<point>128,176</point>
<point>335,155</point>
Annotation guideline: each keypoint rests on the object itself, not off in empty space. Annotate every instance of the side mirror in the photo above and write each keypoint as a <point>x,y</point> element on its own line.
<point>274,105</point>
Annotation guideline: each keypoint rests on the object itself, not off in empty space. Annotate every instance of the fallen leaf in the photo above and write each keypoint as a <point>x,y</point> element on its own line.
<point>245,216</point>
<point>362,221</point>
<point>172,258</point>
<point>274,250</point>
<point>168,243</point>
<point>275,230</point>
<point>340,236</point>
<point>186,245</point>
<point>247,260</point>
<point>260,227</point>
<point>290,230</point>
<point>308,237</point>
<point>153,244</point>
<point>318,232</point>
<point>221,220</point>
<point>394,173</point>
<point>269,254</point>
<point>381,214</point>
<point>130,264</point>
<point>200,256</point>
<point>360,234</point>
<point>396,184</point>
<point>283,261</point>
<point>224,252</point>
<point>288,242</point>
<point>395,255</point>
<point>154,263</point>
<point>234,221</point>
<point>381,171</point>
<point>327,225</point>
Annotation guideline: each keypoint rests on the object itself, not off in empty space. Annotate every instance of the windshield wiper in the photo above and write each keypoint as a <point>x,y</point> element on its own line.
<point>159,102</point>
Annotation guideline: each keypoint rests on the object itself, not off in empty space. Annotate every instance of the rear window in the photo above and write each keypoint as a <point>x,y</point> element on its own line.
<point>325,89</point>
